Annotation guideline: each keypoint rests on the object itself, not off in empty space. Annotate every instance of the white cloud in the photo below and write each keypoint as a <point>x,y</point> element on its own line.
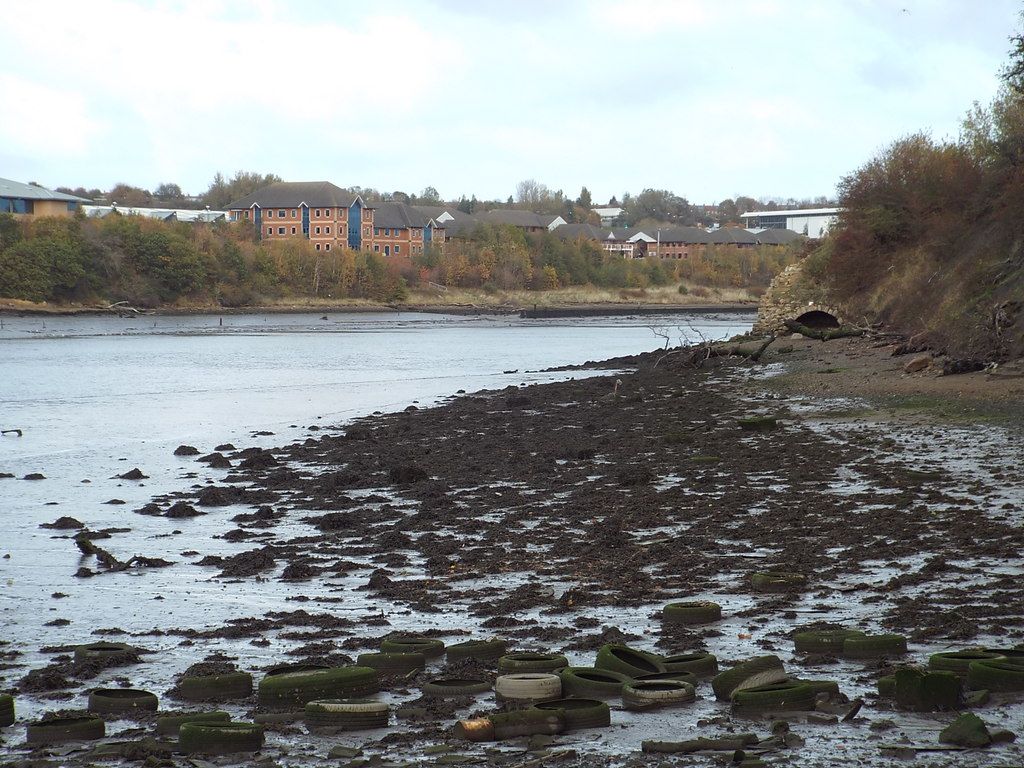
<point>44,121</point>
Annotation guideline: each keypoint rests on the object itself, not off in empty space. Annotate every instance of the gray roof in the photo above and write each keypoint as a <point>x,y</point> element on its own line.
<point>516,218</point>
<point>15,189</point>
<point>399,215</point>
<point>461,226</point>
<point>778,236</point>
<point>733,235</point>
<point>575,231</point>
<point>292,194</point>
<point>686,235</point>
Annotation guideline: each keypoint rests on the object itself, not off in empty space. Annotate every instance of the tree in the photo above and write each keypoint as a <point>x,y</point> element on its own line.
<point>221,193</point>
<point>133,197</point>
<point>530,193</point>
<point>584,201</point>
<point>613,202</point>
<point>170,193</point>
<point>429,196</point>
<point>659,205</point>
<point>1013,72</point>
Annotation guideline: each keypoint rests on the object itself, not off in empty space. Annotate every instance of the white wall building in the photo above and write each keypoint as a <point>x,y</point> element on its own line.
<point>813,222</point>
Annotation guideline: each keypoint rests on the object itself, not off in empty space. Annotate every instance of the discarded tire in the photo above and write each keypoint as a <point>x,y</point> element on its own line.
<point>103,650</point>
<point>697,612</point>
<point>887,686</point>
<point>777,581</point>
<point>831,687</point>
<point>700,664</point>
<point>650,694</point>
<point>118,700</point>
<point>756,672</point>
<point>220,738</point>
<point>510,725</point>
<point>392,663</point>
<point>874,646</point>
<point>168,725</point>
<point>928,691</point>
<point>298,685</point>
<point>532,662</point>
<point>227,687</point>
<point>960,661</point>
<point>826,641</point>
<point>1012,655</point>
<point>428,646</point>
<point>592,683</point>
<point>451,686</point>
<point>683,677</point>
<point>996,675</point>
<point>758,423</point>
<point>484,650</point>
<point>347,714</point>
<point>523,687</point>
<point>777,697</point>
<point>66,729</point>
<point>580,713</point>
<point>628,661</point>
<point>6,710</point>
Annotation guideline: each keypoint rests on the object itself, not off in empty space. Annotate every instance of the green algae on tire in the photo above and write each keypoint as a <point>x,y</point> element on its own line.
<point>527,722</point>
<point>299,685</point>
<point>532,662</point>
<point>580,713</point>
<point>483,650</point>
<point>65,729</point>
<point>831,687</point>
<point>629,661</point>
<point>683,677</point>
<point>639,695</point>
<point>928,690</point>
<point>753,673</point>
<point>6,710</point>
<point>996,675</point>
<point>428,646</point>
<point>592,683</point>
<point>960,661</point>
<point>104,650</point>
<point>777,581</point>
<point>758,423</point>
<point>119,700</point>
<point>824,641</point>
<point>699,663</point>
<point>453,686</point>
<point>347,714</point>
<point>886,686</point>
<point>392,663</point>
<point>874,646</point>
<point>220,738</point>
<point>169,724</point>
<point>226,687</point>
<point>776,697</point>
<point>694,612</point>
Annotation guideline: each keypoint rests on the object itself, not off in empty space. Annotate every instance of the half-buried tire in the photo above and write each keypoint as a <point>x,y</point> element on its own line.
<point>580,713</point>
<point>220,738</point>
<point>62,730</point>
<point>226,687</point>
<point>295,686</point>
<point>104,650</point>
<point>428,646</point>
<point>528,687</point>
<point>639,695</point>
<point>825,641</point>
<point>628,661</point>
<point>392,663</point>
<point>592,683</point>
<point>169,725</point>
<point>700,664</point>
<point>121,700</point>
<point>6,710</point>
<point>448,687</point>
<point>874,646</point>
<point>696,612</point>
<point>761,670</point>
<point>959,662</point>
<point>483,650</point>
<point>996,675</point>
<point>347,714</point>
<point>532,662</point>
<point>777,697</point>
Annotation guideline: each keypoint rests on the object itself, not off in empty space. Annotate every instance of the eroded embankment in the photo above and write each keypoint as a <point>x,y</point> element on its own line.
<point>563,516</point>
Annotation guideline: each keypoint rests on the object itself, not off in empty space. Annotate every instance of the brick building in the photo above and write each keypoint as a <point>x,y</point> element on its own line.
<point>404,231</point>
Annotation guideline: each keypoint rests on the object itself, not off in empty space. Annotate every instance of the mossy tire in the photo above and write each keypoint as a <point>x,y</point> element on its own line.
<point>628,661</point>
<point>701,664</point>
<point>683,677</point>
<point>777,697</point>
<point>639,695</point>
<point>483,650</point>
<point>428,646</point>
<point>753,673</point>
<point>64,730</point>
<point>825,641</point>
<point>392,663</point>
<point>527,722</point>
<point>298,686</point>
<point>959,662</point>
<point>532,662</point>
<point>347,714</point>
<point>831,687</point>
<point>874,646</point>
<point>446,687</point>
<point>886,686</point>
<point>777,581</point>
<point>220,738</point>
<point>6,710</point>
<point>101,649</point>
<point>119,700</point>
<point>580,713</point>
<point>996,675</point>
<point>696,612</point>
<point>592,683</point>
<point>227,687</point>
<point>169,725</point>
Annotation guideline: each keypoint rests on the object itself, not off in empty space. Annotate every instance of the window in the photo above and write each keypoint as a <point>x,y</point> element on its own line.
<point>270,214</point>
<point>376,231</point>
<point>280,230</point>
<point>328,246</point>
<point>247,214</point>
<point>280,214</point>
<point>387,250</point>
<point>294,212</point>
<point>270,230</point>
<point>316,230</point>
<point>398,248</point>
<point>327,230</point>
<point>366,231</point>
<point>293,230</point>
<point>318,246</point>
<point>376,248</point>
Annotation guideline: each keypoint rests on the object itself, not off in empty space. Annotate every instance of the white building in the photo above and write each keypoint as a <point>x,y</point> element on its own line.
<point>813,222</point>
<point>608,214</point>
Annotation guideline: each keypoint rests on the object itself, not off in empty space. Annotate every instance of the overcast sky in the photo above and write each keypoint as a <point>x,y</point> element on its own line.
<point>709,98</point>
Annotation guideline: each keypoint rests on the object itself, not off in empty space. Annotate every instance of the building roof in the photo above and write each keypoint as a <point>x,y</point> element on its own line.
<point>685,235</point>
<point>461,226</point>
<point>777,236</point>
<point>517,218</point>
<point>732,235</point>
<point>166,214</point>
<point>793,212</point>
<point>292,194</point>
<point>437,211</point>
<point>575,231</point>
<point>15,189</point>
<point>607,212</point>
<point>399,215</point>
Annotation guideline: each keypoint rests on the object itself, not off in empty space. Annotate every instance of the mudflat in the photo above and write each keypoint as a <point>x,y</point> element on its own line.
<point>563,517</point>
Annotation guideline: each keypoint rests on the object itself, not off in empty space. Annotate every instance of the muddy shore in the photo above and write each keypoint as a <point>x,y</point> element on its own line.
<point>563,516</point>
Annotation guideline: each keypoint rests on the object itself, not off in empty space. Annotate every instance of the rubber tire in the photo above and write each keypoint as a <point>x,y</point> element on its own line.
<point>483,650</point>
<point>528,687</point>
<point>297,687</point>
<point>700,664</point>
<point>428,646</point>
<point>580,713</point>
<point>959,662</point>
<point>592,683</point>
<point>753,673</point>
<point>6,710</point>
<point>640,695</point>
<point>169,725</point>
<point>227,687</point>
<point>831,687</point>
<point>65,730</point>
<point>347,714</point>
<point>102,649</point>
<point>392,663</point>
<point>777,581</point>
<point>874,646</point>
<point>827,641</point>
<point>886,686</point>
<point>1012,655</point>
<point>105,701</point>
<point>447,687</point>
<point>758,423</point>
<point>996,676</point>
<point>220,738</point>
<point>778,697</point>
<point>683,677</point>
<point>696,612</point>
<point>532,662</point>
<point>527,722</point>
<point>628,661</point>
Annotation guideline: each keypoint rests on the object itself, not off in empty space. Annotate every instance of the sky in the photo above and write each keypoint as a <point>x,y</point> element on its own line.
<point>707,98</point>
